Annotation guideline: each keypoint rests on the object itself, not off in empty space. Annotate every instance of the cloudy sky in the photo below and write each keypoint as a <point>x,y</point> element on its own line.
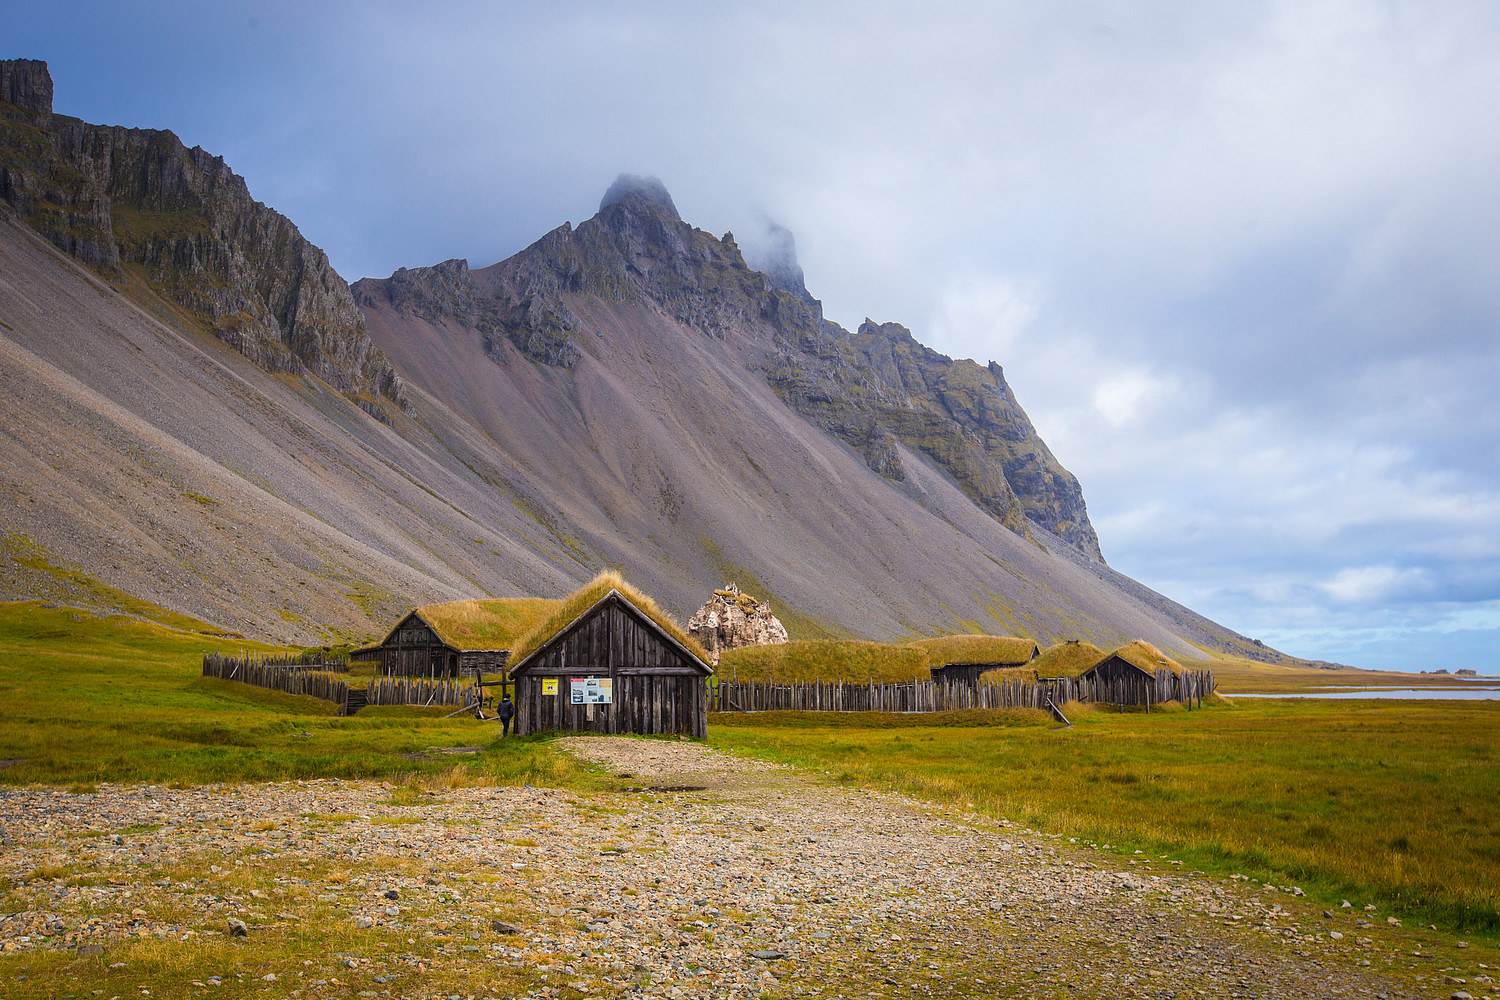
<point>1241,262</point>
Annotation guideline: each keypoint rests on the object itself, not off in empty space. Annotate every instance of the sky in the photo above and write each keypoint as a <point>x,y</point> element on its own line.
<point>1239,260</point>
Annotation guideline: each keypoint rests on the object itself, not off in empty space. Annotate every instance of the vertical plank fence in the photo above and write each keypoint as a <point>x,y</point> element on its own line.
<point>949,695</point>
<point>420,691</point>
<point>293,675</point>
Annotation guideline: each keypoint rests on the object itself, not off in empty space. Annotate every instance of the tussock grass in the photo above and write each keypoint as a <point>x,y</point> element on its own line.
<point>569,608</point>
<point>1387,802</point>
<point>848,660</point>
<point>977,649</point>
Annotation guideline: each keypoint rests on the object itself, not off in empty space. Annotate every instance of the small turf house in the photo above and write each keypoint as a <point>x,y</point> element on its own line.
<point>459,639</point>
<point>965,657</point>
<point>607,660</point>
<point>1130,674</point>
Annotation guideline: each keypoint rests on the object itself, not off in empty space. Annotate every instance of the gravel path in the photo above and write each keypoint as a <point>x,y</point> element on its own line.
<point>712,876</point>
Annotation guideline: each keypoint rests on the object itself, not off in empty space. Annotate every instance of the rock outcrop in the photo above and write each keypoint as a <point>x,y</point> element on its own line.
<point>731,619</point>
<point>137,203</point>
<point>876,390</point>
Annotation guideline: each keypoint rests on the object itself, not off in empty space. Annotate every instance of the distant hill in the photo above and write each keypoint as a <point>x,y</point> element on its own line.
<point>198,412</point>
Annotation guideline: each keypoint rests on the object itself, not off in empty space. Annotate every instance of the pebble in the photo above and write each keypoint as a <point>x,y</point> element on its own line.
<point>757,881</point>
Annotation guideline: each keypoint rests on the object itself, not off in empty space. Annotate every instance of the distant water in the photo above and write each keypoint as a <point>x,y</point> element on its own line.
<point>1457,694</point>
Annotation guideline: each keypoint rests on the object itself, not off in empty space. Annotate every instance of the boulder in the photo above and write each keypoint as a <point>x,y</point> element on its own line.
<point>730,619</point>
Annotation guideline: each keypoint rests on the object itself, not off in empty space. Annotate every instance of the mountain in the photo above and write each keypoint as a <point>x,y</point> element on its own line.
<point>199,413</point>
<point>140,206</point>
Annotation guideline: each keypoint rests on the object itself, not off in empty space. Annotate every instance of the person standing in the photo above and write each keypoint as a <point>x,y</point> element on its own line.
<point>505,711</point>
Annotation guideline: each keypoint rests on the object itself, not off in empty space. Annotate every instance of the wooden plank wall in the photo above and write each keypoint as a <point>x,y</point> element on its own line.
<point>643,703</point>
<point>414,650</point>
<point>654,686</point>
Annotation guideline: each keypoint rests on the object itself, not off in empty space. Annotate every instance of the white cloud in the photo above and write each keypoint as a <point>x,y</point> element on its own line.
<point>1237,260</point>
<point>1373,584</point>
<point>987,314</point>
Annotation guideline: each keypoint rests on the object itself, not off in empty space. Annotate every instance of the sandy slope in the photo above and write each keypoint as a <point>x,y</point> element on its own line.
<point>151,456</point>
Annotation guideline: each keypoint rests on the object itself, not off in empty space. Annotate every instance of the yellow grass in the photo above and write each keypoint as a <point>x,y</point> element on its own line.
<point>1141,653</point>
<point>1066,659</point>
<point>565,611</point>
<point>490,624</point>
<point>848,660</point>
<point>977,649</point>
<point>1004,675</point>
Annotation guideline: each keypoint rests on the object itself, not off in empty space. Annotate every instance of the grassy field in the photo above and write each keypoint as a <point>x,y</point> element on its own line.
<point>91,699</point>
<point>1396,803</point>
<point>1236,676</point>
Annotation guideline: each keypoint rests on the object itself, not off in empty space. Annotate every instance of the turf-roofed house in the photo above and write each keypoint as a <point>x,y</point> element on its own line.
<point>457,639</point>
<point>964,658</point>
<point>606,659</point>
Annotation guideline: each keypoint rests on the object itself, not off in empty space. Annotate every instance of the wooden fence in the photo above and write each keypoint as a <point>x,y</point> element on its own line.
<point>1134,688</point>
<point>419,691</point>
<point>282,673</point>
<point>948,695</point>
<point>908,696</point>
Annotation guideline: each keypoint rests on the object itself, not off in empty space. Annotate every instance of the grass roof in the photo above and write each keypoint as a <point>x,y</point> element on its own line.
<point>977,649</point>
<point>488,624</point>
<point>1067,659</point>
<point>849,660</point>
<point>493,623</point>
<point>1141,653</point>
<point>564,612</point>
<point>1002,675</point>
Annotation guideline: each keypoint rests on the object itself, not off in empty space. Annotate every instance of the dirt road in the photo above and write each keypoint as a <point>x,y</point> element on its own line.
<point>710,876</point>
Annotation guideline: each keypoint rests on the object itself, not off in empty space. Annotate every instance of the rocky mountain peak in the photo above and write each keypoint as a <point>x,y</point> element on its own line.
<point>643,191</point>
<point>776,257</point>
<point>26,84</point>
<point>110,196</point>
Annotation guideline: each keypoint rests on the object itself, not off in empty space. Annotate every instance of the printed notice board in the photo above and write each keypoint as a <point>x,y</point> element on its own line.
<point>592,690</point>
<point>549,685</point>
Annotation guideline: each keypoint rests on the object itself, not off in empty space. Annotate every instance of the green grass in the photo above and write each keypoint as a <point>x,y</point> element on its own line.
<point>111,698</point>
<point>826,660</point>
<point>977,649</point>
<point>71,584</point>
<point>1239,676</point>
<point>1396,803</point>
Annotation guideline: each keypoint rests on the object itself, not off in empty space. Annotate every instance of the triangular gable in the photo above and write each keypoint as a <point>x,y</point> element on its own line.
<point>643,619</point>
<point>1117,658</point>
<point>396,628</point>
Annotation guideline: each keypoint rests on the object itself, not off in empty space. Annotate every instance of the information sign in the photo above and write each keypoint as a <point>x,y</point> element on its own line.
<point>549,685</point>
<point>592,690</point>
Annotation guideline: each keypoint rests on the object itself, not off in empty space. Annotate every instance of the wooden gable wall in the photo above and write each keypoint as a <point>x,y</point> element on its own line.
<point>656,686</point>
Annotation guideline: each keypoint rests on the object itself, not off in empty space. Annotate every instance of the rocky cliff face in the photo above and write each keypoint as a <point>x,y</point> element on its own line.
<point>139,201</point>
<point>730,619</point>
<point>871,389</point>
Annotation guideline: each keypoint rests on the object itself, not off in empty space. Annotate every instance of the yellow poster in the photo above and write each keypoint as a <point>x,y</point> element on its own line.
<point>549,685</point>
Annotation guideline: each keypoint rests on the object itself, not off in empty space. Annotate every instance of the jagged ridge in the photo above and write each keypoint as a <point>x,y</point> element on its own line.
<point>122,199</point>
<point>870,389</point>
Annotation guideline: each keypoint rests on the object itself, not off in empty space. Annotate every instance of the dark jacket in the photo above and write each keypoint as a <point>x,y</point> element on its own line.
<point>506,709</point>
